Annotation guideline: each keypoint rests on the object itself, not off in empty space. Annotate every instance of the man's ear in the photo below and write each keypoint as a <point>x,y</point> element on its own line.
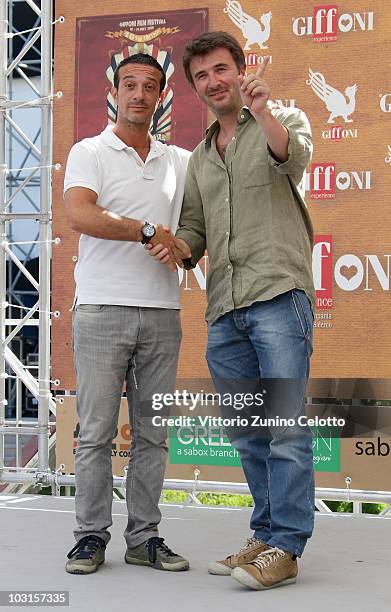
<point>195,91</point>
<point>114,93</point>
<point>193,88</point>
<point>160,99</point>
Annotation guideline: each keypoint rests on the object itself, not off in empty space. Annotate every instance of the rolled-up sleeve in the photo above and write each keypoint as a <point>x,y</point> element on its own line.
<point>299,143</point>
<point>191,227</point>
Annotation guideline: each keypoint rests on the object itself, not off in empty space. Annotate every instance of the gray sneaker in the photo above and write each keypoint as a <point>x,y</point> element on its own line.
<point>154,553</point>
<point>86,556</point>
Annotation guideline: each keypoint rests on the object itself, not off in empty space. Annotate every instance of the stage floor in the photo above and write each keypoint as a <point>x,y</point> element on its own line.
<point>346,565</point>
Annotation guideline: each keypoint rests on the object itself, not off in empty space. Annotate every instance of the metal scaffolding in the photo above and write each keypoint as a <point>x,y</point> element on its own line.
<point>22,22</point>
<point>11,366</point>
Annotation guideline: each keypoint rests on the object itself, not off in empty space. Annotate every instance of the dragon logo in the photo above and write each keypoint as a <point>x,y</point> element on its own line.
<point>255,32</point>
<point>337,103</point>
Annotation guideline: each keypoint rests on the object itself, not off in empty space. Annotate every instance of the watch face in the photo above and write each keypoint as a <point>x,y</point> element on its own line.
<point>148,230</point>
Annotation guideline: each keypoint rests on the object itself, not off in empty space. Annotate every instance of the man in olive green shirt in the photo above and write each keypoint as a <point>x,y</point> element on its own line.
<point>244,204</point>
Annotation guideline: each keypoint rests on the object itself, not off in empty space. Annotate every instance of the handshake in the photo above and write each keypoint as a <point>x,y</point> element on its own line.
<point>167,249</point>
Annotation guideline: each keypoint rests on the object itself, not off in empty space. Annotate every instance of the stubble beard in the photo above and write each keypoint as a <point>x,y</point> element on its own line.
<point>138,122</point>
<point>232,106</point>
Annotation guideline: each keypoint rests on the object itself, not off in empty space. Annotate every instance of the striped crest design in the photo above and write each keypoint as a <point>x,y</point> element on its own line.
<point>161,121</point>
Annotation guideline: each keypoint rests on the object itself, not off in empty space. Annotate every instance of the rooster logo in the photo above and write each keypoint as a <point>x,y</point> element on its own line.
<point>161,120</point>
<point>339,104</point>
<point>255,33</point>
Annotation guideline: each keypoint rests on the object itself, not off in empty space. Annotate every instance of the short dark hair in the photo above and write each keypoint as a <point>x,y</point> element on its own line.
<point>207,42</point>
<point>140,58</point>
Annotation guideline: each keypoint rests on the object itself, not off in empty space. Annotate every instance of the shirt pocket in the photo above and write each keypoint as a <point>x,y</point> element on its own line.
<point>258,173</point>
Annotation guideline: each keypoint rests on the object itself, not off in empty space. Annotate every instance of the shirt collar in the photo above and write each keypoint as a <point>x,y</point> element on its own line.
<point>243,116</point>
<point>112,140</point>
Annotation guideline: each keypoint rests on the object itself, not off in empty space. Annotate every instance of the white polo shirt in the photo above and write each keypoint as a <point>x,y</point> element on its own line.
<point>117,272</point>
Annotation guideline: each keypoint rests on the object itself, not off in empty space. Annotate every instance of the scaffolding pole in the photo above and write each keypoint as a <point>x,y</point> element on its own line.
<point>3,178</point>
<point>40,384</point>
<point>44,237</point>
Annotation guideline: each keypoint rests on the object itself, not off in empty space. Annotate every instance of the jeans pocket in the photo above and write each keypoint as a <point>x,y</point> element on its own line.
<point>89,307</point>
<point>304,315</point>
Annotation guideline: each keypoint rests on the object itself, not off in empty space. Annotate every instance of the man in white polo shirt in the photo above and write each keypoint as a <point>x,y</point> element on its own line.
<point>121,189</point>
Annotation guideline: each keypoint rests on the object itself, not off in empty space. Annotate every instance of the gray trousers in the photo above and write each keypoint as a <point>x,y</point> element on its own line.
<point>113,345</point>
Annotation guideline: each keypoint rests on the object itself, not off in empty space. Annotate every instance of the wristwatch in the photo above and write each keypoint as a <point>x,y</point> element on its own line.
<point>148,231</point>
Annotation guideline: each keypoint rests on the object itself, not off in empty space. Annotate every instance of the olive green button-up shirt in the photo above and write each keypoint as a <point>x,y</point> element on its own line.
<point>249,214</point>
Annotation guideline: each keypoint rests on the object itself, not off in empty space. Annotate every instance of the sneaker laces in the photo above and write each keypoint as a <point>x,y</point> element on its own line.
<point>153,544</point>
<point>267,557</point>
<point>86,547</point>
<point>250,542</point>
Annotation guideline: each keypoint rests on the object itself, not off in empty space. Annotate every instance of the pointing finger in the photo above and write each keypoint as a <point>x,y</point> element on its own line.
<point>261,70</point>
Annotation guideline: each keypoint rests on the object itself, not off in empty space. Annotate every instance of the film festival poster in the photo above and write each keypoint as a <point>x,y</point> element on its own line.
<point>102,42</point>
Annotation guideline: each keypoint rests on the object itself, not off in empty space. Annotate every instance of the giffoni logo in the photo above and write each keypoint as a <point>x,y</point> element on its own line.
<point>350,272</point>
<point>323,180</point>
<point>326,22</point>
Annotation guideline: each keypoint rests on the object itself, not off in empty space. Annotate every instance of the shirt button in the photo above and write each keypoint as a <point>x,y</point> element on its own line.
<point>227,233</point>
<point>229,267</point>
<point>227,199</point>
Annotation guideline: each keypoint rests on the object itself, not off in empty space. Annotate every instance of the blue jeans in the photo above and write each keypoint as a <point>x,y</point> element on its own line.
<point>267,347</point>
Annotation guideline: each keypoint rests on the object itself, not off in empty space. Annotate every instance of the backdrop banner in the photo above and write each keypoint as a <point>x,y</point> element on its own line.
<point>362,458</point>
<point>102,42</point>
<point>330,61</point>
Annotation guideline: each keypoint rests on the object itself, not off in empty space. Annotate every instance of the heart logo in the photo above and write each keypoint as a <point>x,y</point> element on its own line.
<point>345,23</point>
<point>348,272</point>
<point>343,180</point>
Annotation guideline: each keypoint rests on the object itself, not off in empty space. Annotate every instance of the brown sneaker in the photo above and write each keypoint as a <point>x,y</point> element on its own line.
<point>250,550</point>
<point>271,568</point>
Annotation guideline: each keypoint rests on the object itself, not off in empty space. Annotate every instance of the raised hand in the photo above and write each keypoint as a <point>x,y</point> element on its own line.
<point>254,90</point>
